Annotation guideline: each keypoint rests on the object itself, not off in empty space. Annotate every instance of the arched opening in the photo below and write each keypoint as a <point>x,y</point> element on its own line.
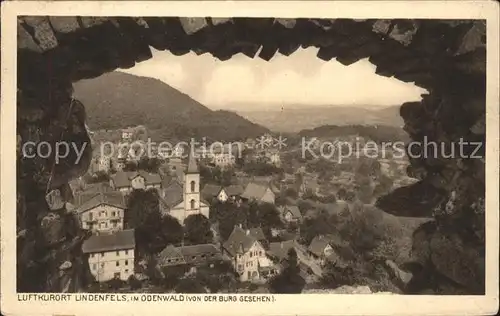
<point>193,186</point>
<point>193,204</point>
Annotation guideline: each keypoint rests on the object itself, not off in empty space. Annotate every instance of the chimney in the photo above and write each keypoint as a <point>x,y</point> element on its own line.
<point>248,232</point>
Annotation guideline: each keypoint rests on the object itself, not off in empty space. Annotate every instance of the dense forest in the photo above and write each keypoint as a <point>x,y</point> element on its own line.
<point>118,100</point>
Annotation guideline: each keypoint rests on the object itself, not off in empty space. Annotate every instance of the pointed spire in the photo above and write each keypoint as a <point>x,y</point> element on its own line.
<point>192,165</point>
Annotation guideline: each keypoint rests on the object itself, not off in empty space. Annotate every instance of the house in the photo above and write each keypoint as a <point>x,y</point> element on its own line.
<point>102,211</point>
<point>111,255</point>
<point>247,254</point>
<point>194,255</point>
<point>127,134</point>
<point>211,191</point>
<point>234,191</point>
<point>126,181</point>
<point>231,192</point>
<point>183,199</point>
<point>290,213</point>
<point>259,193</point>
<point>279,252</point>
<point>324,246</point>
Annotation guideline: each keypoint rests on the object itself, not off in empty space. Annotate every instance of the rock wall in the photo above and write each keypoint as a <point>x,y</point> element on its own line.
<point>445,57</point>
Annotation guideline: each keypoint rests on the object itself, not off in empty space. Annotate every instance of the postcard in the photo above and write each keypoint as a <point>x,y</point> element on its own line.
<point>256,158</point>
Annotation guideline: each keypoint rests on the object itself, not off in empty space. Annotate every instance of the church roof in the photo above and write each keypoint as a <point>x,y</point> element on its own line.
<point>192,165</point>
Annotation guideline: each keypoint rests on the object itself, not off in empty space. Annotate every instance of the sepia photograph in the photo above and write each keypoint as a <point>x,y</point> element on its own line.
<point>248,156</point>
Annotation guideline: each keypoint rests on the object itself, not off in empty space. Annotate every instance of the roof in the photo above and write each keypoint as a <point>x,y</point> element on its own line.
<point>257,233</point>
<point>239,241</point>
<point>319,243</point>
<point>122,178</point>
<point>234,189</point>
<point>192,165</point>
<point>172,195</point>
<point>115,199</point>
<point>210,190</point>
<point>201,249</point>
<point>254,191</point>
<point>294,209</point>
<point>186,253</point>
<point>124,239</point>
<point>280,249</point>
<point>170,252</point>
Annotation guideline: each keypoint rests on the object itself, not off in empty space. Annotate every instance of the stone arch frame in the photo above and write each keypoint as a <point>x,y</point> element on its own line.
<point>445,57</point>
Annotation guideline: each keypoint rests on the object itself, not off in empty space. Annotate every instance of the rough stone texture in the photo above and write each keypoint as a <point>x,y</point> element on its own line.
<point>445,57</point>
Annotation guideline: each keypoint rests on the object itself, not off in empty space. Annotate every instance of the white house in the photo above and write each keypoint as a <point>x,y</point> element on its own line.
<point>182,200</point>
<point>290,213</point>
<point>103,211</point>
<point>247,254</point>
<point>111,255</point>
<point>127,134</point>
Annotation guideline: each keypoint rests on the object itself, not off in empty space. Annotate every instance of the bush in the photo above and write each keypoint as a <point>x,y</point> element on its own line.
<point>134,283</point>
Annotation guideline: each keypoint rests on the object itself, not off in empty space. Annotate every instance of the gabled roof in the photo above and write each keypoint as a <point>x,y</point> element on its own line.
<point>200,249</point>
<point>294,209</point>
<point>234,189</point>
<point>280,249</point>
<point>115,199</point>
<point>319,243</point>
<point>239,241</point>
<point>257,233</point>
<point>210,190</point>
<point>102,242</point>
<point>254,191</point>
<point>122,178</point>
<point>172,195</point>
<point>170,252</point>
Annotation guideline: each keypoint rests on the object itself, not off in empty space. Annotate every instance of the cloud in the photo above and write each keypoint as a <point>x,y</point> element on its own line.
<point>300,79</point>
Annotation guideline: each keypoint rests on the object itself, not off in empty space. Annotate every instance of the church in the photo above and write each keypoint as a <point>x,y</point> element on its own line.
<point>182,198</point>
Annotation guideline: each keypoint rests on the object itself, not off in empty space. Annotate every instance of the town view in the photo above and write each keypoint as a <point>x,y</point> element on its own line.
<point>232,205</point>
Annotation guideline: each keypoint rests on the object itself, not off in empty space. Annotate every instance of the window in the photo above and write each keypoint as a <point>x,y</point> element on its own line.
<point>251,254</point>
<point>113,213</point>
<point>94,266</point>
<point>102,254</point>
<point>117,263</point>
<point>193,257</point>
<point>126,270</point>
<point>102,265</point>
<point>126,262</point>
<point>193,184</point>
<point>260,253</point>
<point>193,204</point>
<point>126,252</point>
<point>118,253</point>
<point>168,260</point>
<point>91,216</point>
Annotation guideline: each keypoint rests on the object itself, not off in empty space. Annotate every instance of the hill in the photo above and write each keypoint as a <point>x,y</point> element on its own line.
<point>296,119</point>
<point>376,133</point>
<point>117,100</point>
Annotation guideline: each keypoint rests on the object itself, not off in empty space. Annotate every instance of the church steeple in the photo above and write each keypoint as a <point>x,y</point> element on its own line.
<point>192,165</point>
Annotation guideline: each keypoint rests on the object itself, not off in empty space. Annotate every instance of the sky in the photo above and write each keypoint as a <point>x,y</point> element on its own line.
<point>294,81</point>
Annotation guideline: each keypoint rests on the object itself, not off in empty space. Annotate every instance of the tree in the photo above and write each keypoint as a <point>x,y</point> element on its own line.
<point>197,229</point>
<point>153,231</point>
<point>134,283</point>
<point>289,281</point>
<point>228,217</point>
<point>189,285</point>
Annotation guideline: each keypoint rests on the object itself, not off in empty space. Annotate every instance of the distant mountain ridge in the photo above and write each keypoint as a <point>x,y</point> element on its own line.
<point>295,119</point>
<point>117,100</point>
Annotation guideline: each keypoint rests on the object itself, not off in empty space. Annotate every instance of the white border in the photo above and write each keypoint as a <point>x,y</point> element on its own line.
<point>304,304</point>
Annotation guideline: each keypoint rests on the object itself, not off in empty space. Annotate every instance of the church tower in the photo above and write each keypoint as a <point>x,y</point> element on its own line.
<point>192,187</point>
